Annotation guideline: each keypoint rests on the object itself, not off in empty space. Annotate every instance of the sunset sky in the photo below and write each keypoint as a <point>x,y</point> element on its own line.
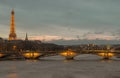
<point>62,19</point>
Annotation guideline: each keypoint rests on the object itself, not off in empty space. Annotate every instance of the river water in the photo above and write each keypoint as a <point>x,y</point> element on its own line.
<point>84,66</point>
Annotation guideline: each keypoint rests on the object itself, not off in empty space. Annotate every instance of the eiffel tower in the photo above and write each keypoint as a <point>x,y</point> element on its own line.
<point>12,35</point>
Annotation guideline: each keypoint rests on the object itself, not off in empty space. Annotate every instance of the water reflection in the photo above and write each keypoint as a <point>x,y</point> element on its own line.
<point>73,60</point>
<point>90,60</point>
<point>32,60</point>
<point>68,61</point>
<point>108,61</point>
<point>12,75</point>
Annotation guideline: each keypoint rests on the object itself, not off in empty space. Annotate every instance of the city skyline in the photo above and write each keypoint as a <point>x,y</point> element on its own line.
<point>68,20</point>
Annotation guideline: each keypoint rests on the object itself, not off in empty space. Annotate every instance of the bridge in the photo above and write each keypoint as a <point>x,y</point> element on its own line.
<point>26,54</point>
<point>68,54</point>
<point>106,54</point>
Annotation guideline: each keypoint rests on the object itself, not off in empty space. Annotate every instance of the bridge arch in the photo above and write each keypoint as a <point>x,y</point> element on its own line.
<point>88,57</point>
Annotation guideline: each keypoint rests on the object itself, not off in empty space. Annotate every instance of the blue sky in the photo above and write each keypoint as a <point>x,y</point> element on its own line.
<point>62,19</point>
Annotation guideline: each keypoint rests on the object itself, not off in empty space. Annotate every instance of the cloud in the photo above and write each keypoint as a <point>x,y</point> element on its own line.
<point>50,38</point>
<point>78,19</point>
<point>99,35</point>
<point>100,32</point>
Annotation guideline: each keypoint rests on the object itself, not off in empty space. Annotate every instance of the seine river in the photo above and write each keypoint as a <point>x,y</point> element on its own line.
<point>86,66</point>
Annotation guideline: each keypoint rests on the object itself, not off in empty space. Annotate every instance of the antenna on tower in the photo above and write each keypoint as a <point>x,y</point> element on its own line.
<point>12,12</point>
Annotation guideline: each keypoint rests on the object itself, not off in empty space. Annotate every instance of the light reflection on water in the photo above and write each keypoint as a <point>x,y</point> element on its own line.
<point>74,60</point>
<point>68,61</point>
<point>108,61</point>
<point>32,60</point>
<point>12,75</point>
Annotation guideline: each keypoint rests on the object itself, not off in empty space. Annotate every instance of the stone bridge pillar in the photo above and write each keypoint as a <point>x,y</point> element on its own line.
<point>69,54</point>
<point>106,55</point>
